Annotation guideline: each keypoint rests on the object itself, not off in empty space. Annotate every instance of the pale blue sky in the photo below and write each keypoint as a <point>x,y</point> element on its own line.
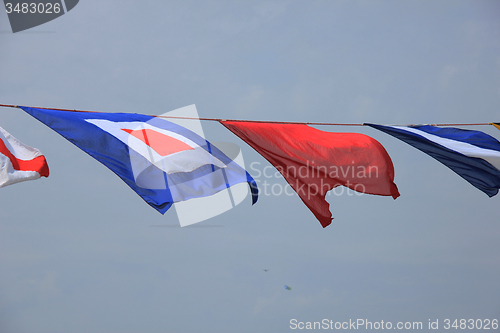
<point>80,252</point>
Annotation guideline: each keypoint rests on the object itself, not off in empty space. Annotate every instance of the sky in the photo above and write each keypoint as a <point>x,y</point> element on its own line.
<point>81,252</point>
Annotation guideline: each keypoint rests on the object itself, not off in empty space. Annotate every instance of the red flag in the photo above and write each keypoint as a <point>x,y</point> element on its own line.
<point>314,162</point>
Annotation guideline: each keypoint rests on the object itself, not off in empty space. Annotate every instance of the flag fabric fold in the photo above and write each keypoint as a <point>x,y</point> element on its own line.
<point>314,162</point>
<point>161,161</point>
<point>473,155</point>
<point>19,162</point>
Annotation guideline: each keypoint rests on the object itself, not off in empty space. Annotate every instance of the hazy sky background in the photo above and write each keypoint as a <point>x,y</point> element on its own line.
<point>80,252</point>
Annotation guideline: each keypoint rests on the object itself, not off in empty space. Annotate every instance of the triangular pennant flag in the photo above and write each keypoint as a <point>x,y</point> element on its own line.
<point>473,155</point>
<point>497,125</point>
<point>161,161</point>
<point>314,162</point>
<point>19,162</point>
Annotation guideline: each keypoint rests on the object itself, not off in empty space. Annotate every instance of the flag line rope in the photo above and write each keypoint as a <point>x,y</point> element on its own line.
<point>250,121</point>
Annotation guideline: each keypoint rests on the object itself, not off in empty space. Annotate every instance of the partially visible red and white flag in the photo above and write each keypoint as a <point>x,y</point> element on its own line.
<point>19,162</point>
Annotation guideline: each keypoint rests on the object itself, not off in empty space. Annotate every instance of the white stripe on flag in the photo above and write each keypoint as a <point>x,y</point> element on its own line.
<point>467,149</point>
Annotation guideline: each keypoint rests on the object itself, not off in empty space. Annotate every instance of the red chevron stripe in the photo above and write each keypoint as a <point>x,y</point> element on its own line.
<point>163,144</point>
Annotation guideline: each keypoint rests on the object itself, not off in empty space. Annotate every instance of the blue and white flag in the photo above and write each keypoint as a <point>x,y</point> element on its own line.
<point>161,161</point>
<point>474,155</point>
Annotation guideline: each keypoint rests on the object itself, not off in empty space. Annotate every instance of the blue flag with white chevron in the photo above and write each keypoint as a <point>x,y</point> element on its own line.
<point>473,155</point>
<point>161,161</point>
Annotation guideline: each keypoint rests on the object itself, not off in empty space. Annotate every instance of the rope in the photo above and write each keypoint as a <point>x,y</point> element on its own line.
<point>246,121</point>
